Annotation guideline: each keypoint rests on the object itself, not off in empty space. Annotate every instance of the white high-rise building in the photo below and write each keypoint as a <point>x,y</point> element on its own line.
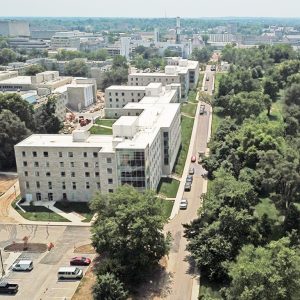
<point>125,47</point>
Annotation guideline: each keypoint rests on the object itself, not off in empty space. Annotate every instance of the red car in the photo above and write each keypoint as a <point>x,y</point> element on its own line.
<point>193,159</point>
<point>80,261</point>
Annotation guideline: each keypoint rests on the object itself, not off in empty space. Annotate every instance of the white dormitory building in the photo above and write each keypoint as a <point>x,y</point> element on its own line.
<point>180,71</point>
<point>142,148</point>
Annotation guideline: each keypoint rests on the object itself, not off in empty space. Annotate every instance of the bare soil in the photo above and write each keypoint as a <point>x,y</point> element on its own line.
<point>31,247</point>
<point>87,249</point>
<point>6,182</point>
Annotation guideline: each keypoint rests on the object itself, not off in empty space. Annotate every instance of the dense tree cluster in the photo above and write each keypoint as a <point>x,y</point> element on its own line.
<point>18,120</point>
<point>254,159</point>
<point>128,235</point>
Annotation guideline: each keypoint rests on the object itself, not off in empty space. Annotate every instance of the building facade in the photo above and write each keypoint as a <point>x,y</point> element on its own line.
<point>141,150</point>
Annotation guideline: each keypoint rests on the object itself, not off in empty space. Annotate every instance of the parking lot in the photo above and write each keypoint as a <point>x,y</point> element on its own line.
<point>42,281</point>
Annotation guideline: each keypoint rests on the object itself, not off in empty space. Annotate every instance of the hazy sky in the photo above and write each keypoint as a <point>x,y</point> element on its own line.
<point>151,8</point>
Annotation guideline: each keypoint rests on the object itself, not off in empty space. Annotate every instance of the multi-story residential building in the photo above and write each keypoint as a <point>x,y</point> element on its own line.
<point>141,150</point>
<point>27,44</point>
<point>118,96</point>
<point>182,71</point>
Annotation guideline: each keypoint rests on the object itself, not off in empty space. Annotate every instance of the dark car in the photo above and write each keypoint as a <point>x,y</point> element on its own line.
<point>80,261</point>
<point>191,171</point>
<point>8,288</point>
<point>187,186</point>
<point>189,178</point>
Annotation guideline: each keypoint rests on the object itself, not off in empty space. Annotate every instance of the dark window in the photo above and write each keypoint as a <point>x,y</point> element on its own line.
<point>50,185</point>
<point>36,163</point>
<point>87,185</point>
<point>48,174</point>
<point>110,190</point>
<point>25,173</point>
<point>46,154</point>
<point>38,184</point>
<point>60,154</point>
<point>108,160</point>
<point>97,174</point>
<point>87,174</point>
<point>86,165</point>
<point>27,185</point>
<point>72,174</point>
<point>34,154</point>
<point>109,170</point>
<point>24,163</point>
<point>110,181</point>
<point>74,185</point>
<point>84,154</point>
<point>63,185</point>
<point>61,164</point>
<point>63,174</point>
<point>95,154</point>
<point>23,153</point>
<point>70,154</point>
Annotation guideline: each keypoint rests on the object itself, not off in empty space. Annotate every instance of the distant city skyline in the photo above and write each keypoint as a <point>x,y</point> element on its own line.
<point>153,8</point>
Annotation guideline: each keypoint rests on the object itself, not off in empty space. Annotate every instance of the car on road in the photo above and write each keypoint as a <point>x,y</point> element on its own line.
<point>80,261</point>
<point>8,288</point>
<point>206,89</point>
<point>69,273</point>
<point>207,78</point>
<point>193,158</point>
<point>189,178</point>
<point>183,204</point>
<point>191,171</point>
<point>187,186</point>
<point>202,109</point>
<point>23,265</point>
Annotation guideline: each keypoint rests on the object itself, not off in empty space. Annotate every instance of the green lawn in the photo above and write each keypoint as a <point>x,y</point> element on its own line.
<point>105,122</point>
<point>192,97</point>
<point>189,108</point>
<point>186,132</point>
<point>82,208</point>
<point>167,206</point>
<point>216,120</point>
<point>100,130</point>
<point>266,206</point>
<point>40,213</point>
<point>168,187</point>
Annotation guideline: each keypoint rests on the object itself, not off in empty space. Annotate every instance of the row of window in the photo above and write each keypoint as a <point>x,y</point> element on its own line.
<point>62,164</point>
<point>123,94</point>
<point>73,174</point>
<point>60,154</point>
<point>63,184</point>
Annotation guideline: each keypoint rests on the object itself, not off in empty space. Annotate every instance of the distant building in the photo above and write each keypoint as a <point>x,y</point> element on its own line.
<point>26,43</point>
<point>14,28</point>
<point>125,47</point>
<point>65,40</point>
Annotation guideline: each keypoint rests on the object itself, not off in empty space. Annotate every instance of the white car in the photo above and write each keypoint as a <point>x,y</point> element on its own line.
<point>23,265</point>
<point>183,204</point>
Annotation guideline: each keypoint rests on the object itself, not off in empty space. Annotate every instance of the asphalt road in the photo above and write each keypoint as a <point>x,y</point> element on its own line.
<point>181,267</point>
<point>42,282</point>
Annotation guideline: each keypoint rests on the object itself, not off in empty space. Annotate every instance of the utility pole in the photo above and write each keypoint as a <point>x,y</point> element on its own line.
<point>3,271</point>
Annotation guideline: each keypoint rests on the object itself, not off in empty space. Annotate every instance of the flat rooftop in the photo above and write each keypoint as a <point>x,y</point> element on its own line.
<point>17,80</point>
<point>126,88</point>
<point>103,142</point>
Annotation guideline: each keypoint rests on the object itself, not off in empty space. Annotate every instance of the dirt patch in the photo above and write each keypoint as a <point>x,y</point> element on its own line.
<point>6,182</point>
<point>31,247</point>
<point>85,288</point>
<point>88,249</point>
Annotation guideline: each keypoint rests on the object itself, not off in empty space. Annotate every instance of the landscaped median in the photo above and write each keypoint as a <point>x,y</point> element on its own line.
<point>38,213</point>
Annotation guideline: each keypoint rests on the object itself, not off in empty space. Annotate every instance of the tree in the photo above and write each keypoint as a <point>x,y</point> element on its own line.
<point>77,67</point>
<point>19,107</point>
<point>12,131</point>
<point>46,120</point>
<point>7,56</point>
<point>33,70</point>
<point>292,219</point>
<point>108,287</point>
<point>205,38</point>
<point>271,88</point>
<point>271,272</point>
<point>202,55</point>
<point>128,229</point>
<point>268,104</point>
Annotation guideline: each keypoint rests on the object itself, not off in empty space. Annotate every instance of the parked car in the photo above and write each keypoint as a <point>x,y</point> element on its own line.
<point>207,78</point>
<point>23,265</point>
<point>8,288</point>
<point>191,171</point>
<point>189,178</point>
<point>202,109</point>
<point>187,186</point>
<point>193,158</point>
<point>205,89</point>
<point>183,204</point>
<point>80,261</point>
<point>69,273</point>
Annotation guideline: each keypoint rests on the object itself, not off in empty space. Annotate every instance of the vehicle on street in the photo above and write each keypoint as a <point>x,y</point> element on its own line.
<point>193,158</point>
<point>80,261</point>
<point>187,186</point>
<point>23,265</point>
<point>205,89</point>
<point>213,68</point>
<point>207,78</point>
<point>191,171</point>
<point>69,273</point>
<point>189,178</point>
<point>8,288</point>
<point>183,204</point>
<point>201,155</point>
<point>202,109</point>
